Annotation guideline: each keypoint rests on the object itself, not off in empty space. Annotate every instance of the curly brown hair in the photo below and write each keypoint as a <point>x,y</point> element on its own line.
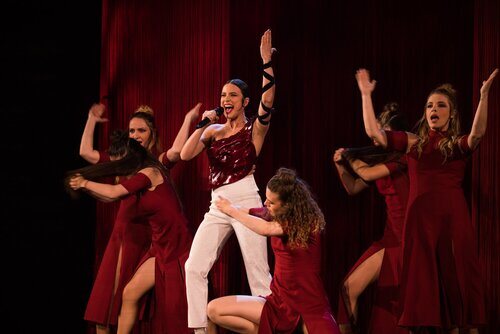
<point>301,215</point>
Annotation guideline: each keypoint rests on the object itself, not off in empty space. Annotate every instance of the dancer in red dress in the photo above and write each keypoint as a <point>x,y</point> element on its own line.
<point>441,286</point>
<point>381,261</point>
<point>128,242</point>
<point>294,222</point>
<point>150,198</point>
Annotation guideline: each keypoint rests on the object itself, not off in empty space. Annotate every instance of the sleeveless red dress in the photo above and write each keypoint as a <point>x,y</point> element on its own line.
<point>441,284</point>
<point>296,288</point>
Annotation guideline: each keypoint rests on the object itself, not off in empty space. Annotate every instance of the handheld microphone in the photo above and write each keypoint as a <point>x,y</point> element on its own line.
<point>206,120</point>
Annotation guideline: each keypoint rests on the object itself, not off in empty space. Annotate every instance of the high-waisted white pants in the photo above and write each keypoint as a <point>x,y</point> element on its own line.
<point>212,234</point>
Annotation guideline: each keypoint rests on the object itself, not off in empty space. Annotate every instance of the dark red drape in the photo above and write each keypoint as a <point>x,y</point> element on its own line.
<point>172,54</point>
<point>485,189</point>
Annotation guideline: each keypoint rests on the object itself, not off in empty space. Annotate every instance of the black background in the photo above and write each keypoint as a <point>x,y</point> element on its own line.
<point>49,72</point>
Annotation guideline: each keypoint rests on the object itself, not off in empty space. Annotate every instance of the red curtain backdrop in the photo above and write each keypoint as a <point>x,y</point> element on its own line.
<point>173,54</point>
<point>485,189</point>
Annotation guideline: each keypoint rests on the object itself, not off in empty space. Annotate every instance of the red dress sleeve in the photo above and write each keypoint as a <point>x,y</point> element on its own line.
<point>136,183</point>
<point>261,213</point>
<point>167,163</point>
<point>397,140</point>
<point>464,145</point>
<point>103,157</point>
<point>397,166</point>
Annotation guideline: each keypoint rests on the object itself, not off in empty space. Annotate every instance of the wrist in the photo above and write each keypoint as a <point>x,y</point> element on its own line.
<point>84,184</point>
<point>233,210</point>
<point>266,63</point>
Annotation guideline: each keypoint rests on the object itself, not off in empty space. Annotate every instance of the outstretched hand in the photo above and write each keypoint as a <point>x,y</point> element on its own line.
<point>485,88</point>
<point>96,111</point>
<point>193,114</point>
<point>266,47</point>
<point>366,86</point>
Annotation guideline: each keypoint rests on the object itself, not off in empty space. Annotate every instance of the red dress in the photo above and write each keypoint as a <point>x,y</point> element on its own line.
<point>296,288</point>
<point>384,312</point>
<point>171,241</point>
<point>441,283</point>
<point>134,240</point>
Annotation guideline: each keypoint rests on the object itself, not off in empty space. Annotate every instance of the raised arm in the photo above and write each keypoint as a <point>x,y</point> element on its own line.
<point>174,152</point>
<point>196,142</point>
<point>268,91</point>
<point>481,117</point>
<point>87,150</point>
<point>353,185</point>
<point>366,87</point>
<point>256,224</point>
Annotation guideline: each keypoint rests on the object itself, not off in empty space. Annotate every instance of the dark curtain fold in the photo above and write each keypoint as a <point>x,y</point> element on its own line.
<point>172,54</point>
<point>485,191</point>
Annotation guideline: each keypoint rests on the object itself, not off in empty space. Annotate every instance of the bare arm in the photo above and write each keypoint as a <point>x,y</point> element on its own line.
<point>369,173</point>
<point>256,224</point>
<point>196,142</point>
<point>267,98</point>
<point>174,152</point>
<point>100,198</point>
<point>353,185</point>
<point>87,150</point>
<point>366,87</point>
<point>481,117</point>
<point>110,192</point>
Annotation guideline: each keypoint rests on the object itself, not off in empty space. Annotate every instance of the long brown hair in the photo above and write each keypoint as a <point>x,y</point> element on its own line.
<point>452,135</point>
<point>136,158</point>
<point>301,215</point>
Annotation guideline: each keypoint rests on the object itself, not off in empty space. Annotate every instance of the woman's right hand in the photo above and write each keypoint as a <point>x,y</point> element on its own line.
<point>337,156</point>
<point>96,111</point>
<point>211,114</point>
<point>365,85</point>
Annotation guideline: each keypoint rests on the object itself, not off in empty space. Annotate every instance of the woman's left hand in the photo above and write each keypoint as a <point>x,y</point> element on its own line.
<point>266,47</point>
<point>485,88</point>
